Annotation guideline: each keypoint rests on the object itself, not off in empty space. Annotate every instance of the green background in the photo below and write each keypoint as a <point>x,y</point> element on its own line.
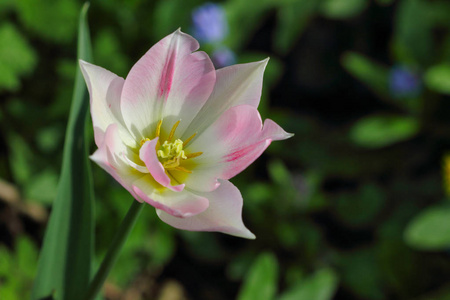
<point>354,206</point>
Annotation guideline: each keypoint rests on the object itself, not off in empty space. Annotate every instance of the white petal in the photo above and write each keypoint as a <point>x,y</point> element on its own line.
<point>235,85</point>
<point>180,204</point>
<point>229,145</point>
<point>105,89</point>
<point>109,156</point>
<point>169,82</point>
<point>224,213</point>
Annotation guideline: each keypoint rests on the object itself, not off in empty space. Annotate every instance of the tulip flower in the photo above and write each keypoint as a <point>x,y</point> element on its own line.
<point>176,130</point>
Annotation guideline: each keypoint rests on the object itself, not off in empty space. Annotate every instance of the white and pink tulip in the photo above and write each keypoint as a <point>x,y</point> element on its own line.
<point>175,130</point>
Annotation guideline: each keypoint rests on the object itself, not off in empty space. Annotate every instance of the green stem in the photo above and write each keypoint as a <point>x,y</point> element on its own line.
<point>114,249</point>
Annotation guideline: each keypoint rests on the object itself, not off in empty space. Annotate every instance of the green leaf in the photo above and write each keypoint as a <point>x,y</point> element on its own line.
<point>437,78</point>
<point>360,272</point>
<point>383,130</point>
<point>412,40</point>
<point>321,285</point>
<point>371,73</point>
<point>361,207</point>
<point>20,158</point>
<point>107,50</point>
<point>438,12</point>
<point>169,16</point>
<point>50,19</point>
<point>262,279</point>
<point>430,230</point>
<point>280,174</point>
<point>17,269</point>
<point>292,19</point>
<point>42,187</point>
<point>50,138</point>
<point>342,9</point>
<point>26,257</point>
<point>244,17</point>
<point>65,261</point>
<point>6,6</point>
<point>5,262</point>
<point>17,58</point>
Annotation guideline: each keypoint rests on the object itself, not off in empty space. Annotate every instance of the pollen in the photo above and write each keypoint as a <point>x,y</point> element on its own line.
<point>143,141</point>
<point>171,152</point>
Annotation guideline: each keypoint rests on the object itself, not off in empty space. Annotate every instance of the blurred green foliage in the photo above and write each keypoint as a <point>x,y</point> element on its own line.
<point>17,58</point>
<point>352,207</point>
<point>261,280</point>
<point>17,269</point>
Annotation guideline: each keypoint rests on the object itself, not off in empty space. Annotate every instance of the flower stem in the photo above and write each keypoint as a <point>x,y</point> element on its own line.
<point>114,249</point>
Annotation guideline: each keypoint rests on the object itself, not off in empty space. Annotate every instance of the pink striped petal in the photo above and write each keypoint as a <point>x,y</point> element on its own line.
<point>109,157</point>
<point>235,85</point>
<point>148,155</point>
<point>239,139</point>
<point>224,213</point>
<point>179,204</point>
<point>105,89</point>
<point>169,82</point>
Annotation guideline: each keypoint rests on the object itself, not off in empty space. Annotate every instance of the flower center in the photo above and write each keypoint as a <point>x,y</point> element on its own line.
<point>172,154</point>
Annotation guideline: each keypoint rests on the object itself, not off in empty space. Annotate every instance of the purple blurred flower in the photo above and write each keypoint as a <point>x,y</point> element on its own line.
<point>210,23</point>
<point>403,82</point>
<point>223,57</point>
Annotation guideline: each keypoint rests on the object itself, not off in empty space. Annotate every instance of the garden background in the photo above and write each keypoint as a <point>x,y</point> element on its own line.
<point>354,206</point>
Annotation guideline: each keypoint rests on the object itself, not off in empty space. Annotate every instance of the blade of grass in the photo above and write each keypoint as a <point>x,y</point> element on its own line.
<point>113,252</point>
<point>64,267</point>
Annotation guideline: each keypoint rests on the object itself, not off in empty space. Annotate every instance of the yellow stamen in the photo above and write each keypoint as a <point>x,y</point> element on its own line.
<point>171,153</point>
<point>179,168</point>
<point>158,128</point>
<point>192,155</point>
<point>172,164</point>
<point>172,132</point>
<point>144,140</point>
<point>189,139</point>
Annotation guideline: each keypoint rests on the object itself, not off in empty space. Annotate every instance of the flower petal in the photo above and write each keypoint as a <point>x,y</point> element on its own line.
<point>169,82</point>
<point>229,145</point>
<point>235,85</point>
<point>109,157</point>
<point>179,204</point>
<point>105,89</point>
<point>224,213</point>
<point>148,155</point>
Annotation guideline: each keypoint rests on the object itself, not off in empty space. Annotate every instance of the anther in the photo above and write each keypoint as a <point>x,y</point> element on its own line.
<point>188,139</point>
<point>180,168</point>
<point>158,128</point>
<point>144,140</point>
<point>192,155</point>
<point>172,132</point>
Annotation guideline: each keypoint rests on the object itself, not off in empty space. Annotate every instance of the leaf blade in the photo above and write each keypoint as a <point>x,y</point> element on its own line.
<point>321,285</point>
<point>65,262</point>
<point>262,279</point>
<point>430,229</point>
